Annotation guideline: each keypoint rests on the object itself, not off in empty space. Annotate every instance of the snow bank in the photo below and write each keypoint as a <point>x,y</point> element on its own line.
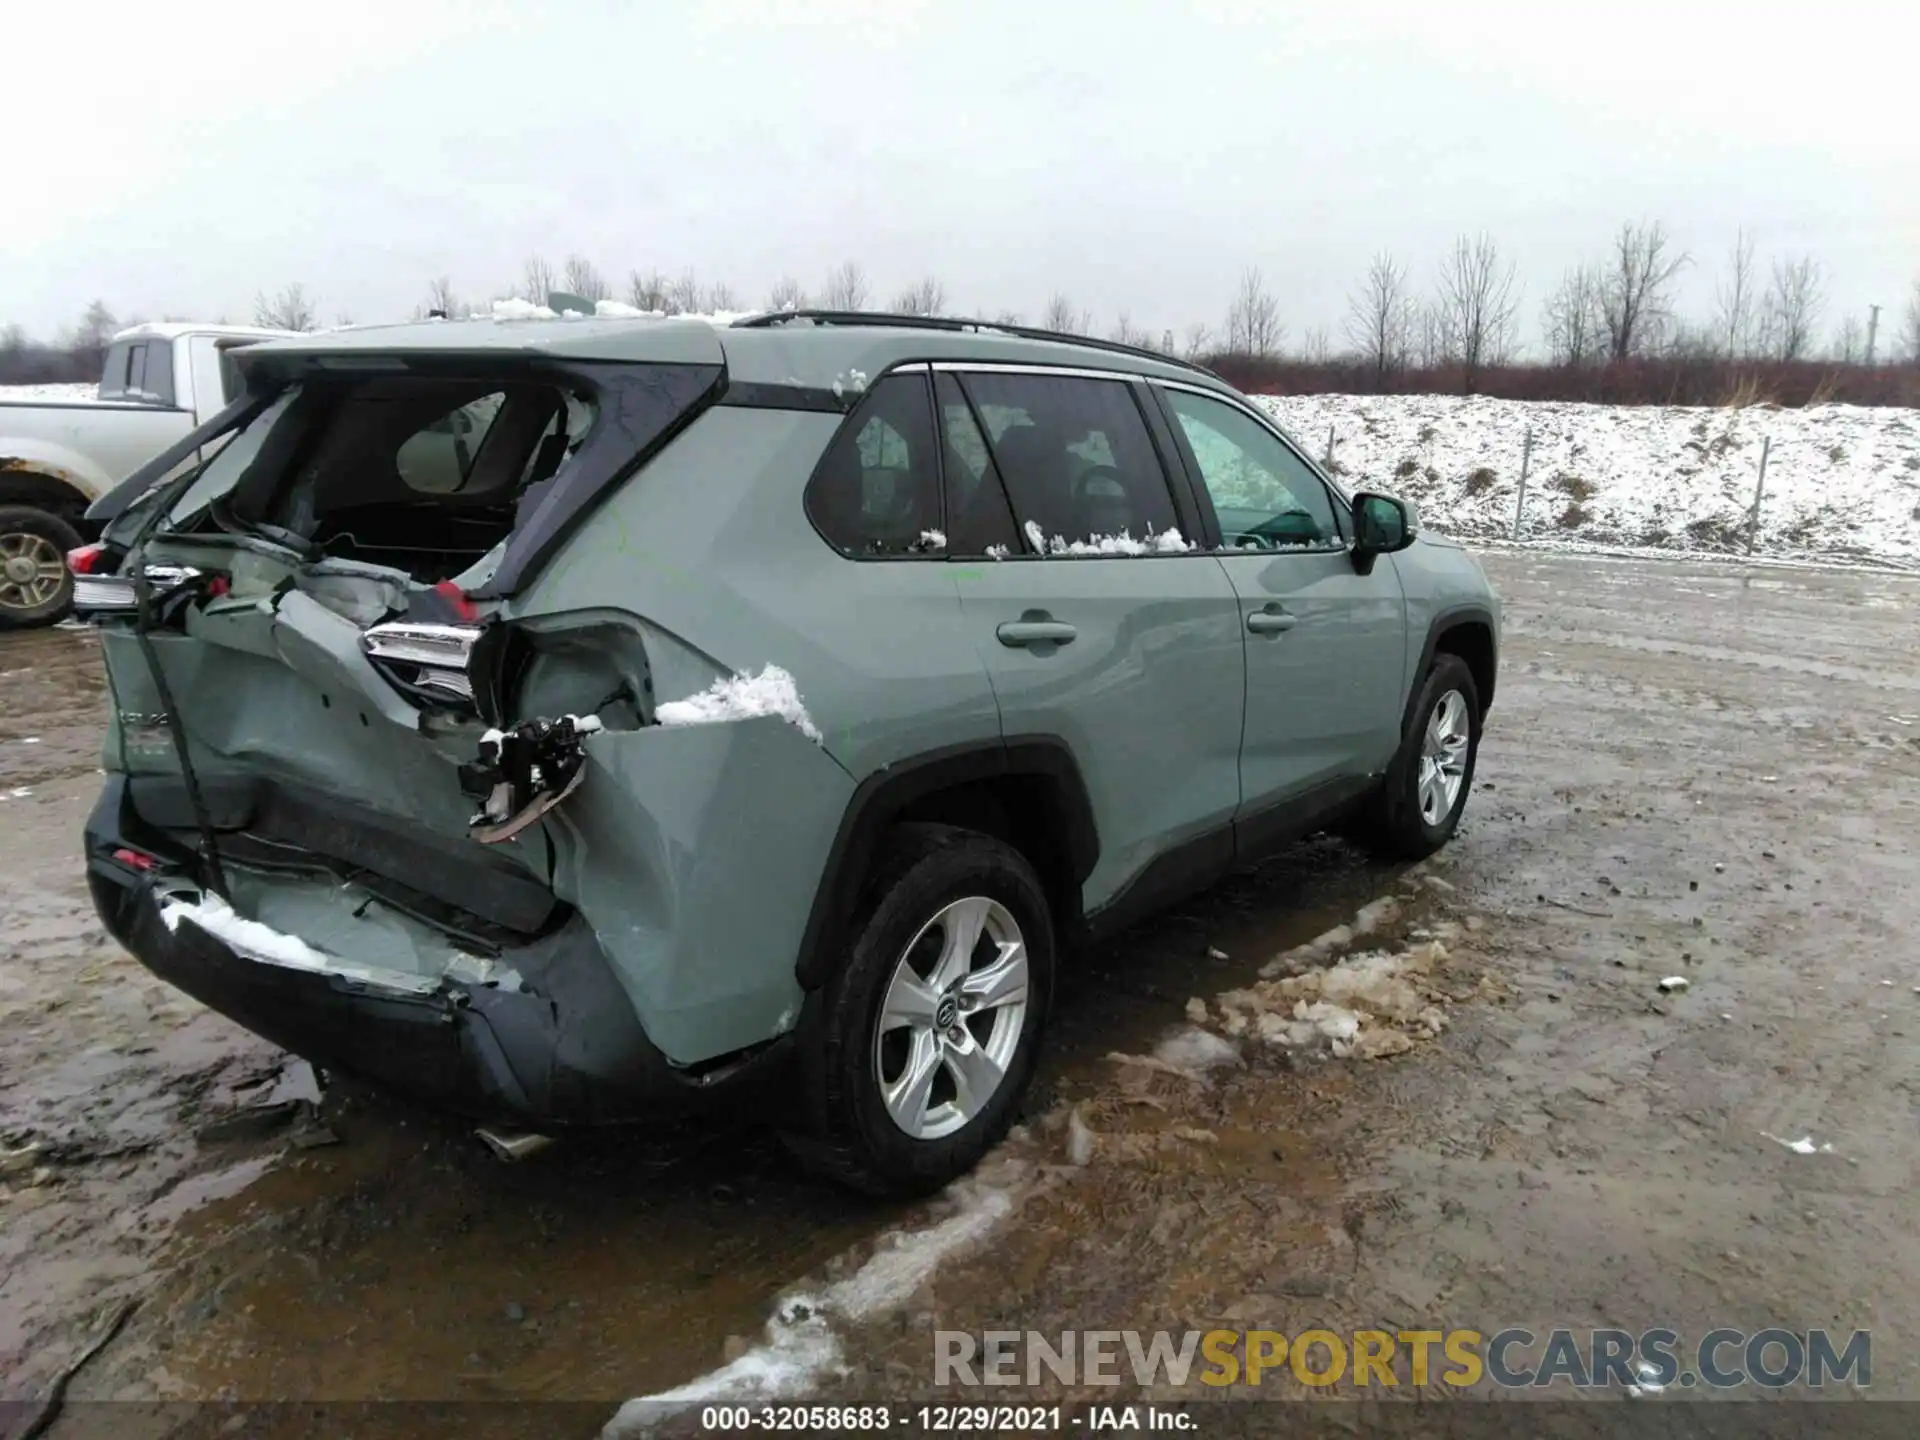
<point>743,697</point>
<point>1842,480</point>
<point>802,1345</point>
<point>48,395</point>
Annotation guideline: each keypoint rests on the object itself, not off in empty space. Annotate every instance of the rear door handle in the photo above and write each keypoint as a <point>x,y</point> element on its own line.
<point>1016,633</point>
<point>1271,622</point>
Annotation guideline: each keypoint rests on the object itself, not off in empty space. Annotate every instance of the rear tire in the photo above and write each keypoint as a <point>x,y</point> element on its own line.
<point>916,1053</point>
<point>35,586</point>
<point>1418,806</point>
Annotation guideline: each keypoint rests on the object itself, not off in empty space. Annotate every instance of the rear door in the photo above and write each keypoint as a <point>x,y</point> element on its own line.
<point>1325,644</point>
<point>1096,623</point>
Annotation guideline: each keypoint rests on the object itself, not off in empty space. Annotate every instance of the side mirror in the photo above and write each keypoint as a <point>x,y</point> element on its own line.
<point>1381,525</point>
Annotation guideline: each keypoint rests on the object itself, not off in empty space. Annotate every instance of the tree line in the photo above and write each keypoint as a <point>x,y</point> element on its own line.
<point>1610,329</point>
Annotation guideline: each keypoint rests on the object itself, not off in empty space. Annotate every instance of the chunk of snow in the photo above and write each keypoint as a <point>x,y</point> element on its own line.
<point>1215,954</point>
<point>802,1346</point>
<point>934,539</point>
<point>1674,983</point>
<point>1080,1140</point>
<point>514,308</point>
<point>1167,542</point>
<point>250,937</point>
<point>997,552</point>
<point>1196,1051</point>
<point>1803,1146</point>
<point>19,792</point>
<point>743,697</point>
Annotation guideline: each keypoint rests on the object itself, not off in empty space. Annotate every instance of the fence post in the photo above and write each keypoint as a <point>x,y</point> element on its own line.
<point>1520,500</point>
<point>1759,490</point>
<point>1328,465</point>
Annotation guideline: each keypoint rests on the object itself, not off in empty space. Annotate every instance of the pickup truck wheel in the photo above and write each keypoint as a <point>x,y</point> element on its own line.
<point>916,1054</point>
<point>35,588</point>
<point>1419,803</point>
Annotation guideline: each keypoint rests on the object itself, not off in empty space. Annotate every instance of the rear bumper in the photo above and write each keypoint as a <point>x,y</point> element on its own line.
<point>567,1050</point>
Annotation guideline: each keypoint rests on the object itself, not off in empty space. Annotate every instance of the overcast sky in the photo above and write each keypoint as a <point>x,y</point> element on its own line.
<point>177,158</point>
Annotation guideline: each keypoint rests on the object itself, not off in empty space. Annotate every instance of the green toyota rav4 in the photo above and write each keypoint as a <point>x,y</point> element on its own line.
<point>573,721</point>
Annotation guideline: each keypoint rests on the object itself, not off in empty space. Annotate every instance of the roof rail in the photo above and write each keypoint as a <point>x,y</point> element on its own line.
<point>954,324</point>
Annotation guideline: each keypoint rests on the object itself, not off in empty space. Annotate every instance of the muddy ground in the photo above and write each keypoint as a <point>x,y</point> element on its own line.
<point>1690,770</point>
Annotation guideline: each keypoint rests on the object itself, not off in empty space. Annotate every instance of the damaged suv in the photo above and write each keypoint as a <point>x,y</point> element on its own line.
<point>576,721</point>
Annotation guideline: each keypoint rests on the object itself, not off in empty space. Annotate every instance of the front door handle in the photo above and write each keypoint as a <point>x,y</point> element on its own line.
<point>1017,633</point>
<point>1271,621</point>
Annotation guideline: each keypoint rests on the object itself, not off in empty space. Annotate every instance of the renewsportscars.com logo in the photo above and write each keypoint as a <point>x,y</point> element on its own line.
<point>1511,1359</point>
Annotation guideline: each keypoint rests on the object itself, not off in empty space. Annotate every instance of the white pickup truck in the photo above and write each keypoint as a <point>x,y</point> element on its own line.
<point>58,456</point>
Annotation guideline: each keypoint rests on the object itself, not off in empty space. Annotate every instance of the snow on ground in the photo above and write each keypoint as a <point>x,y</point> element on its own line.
<point>47,395</point>
<point>802,1345</point>
<point>1842,480</point>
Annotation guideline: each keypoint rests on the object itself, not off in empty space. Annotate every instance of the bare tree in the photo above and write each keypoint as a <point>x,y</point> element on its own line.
<point>1125,332</point>
<point>1253,319</point>
<point>1633,289</point>
<point>647,291</point>
<point>1735,300</point>
<point>786,294</point>
<point>97,326</point>
<point>1060,315</point>
<point>291,309</point>
<point>1849,341</point>
<point>720,297</point>
<point>846,287</point>
<point>1380,318</point>
<point>683,295</point>
<point>1317,346</point>
<point>1199,340</point>
<point>1793,305</point>
<point>1910,327</point>
<point>1571,319</point>
<point>536,280</point>
<point>441,300</point>
<point>1006,317</point>
<point>925,297</point>
<point>1478,301</point>
<point>582,278</point>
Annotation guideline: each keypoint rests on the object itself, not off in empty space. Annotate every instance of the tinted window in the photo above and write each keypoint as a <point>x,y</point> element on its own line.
<point>1265,495</point>
<point>1076,459</point>
<point>877,489</point>
<point>978,519</point>
<point>136,370</point>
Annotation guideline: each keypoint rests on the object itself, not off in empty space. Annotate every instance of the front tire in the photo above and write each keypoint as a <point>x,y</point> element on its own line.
<point>915,1055</point>
<point>1419,804</point>
<point>35,586</point>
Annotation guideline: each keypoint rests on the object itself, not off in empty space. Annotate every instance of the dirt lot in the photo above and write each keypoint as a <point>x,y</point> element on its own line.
<point>1691,770</point>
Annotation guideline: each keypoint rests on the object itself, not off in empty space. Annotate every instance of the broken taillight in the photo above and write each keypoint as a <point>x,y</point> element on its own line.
<point>88,558</point>
<point>134,859</point>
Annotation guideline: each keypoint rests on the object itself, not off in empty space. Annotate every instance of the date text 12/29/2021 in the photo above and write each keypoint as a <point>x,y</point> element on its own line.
<point>946,1419</point>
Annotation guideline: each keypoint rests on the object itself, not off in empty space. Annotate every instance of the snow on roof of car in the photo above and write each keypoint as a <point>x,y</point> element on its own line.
<point>174,329</point>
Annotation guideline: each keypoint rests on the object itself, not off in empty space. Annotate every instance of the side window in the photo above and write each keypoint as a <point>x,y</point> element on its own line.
<point>1078,464</point>
<point>978,519</point>
<point>438,459</point>
<point>113,372</point>
<point>876,491</point>
<point>1264,494</point>
<point>159,376</point>
<point>136,385</point>
<point>231,385</point>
